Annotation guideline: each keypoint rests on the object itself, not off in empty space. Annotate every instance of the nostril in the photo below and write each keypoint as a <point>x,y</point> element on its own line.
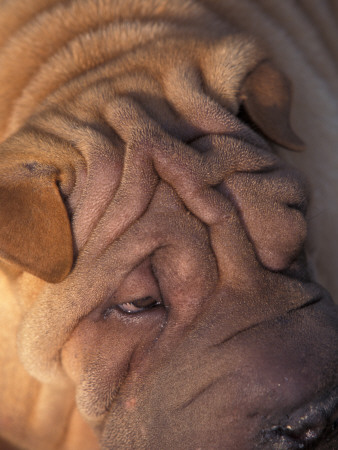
<point>289,438</point>
<point>307,427</point>
<point>306,431</point>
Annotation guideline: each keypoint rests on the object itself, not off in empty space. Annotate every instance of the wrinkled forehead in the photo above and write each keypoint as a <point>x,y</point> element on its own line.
<point>151,157</point>
<point>143,189</point>
<point>177,91</point>
<point>136,191</point>
<point>179,68</point>
<point>137,163</point>
<point>93,127</point>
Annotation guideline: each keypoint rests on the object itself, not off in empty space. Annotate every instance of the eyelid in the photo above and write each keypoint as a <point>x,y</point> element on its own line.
<point>139,292</point>
<point>133,308</point>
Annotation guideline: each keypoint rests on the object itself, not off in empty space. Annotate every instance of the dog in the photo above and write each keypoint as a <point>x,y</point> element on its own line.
<point>155,286</point>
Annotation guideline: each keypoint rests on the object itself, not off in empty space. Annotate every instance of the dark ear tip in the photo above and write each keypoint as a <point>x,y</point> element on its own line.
<point>292,142</point>
<point>35,232</point>
<point>56,272</point>
<point>54,264</point>
<point>266,98</point>
<point>56,275</point>
<point>297,147</point>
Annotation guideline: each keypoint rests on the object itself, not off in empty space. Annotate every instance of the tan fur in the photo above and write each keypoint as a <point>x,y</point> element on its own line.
<point>302,37</point>
<point>65,66</point>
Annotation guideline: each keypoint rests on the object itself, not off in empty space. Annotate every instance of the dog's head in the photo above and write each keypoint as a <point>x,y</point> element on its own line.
<point>158,240</point>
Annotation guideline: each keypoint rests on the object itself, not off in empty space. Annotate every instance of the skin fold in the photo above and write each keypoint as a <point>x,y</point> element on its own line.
<point>155,284</point>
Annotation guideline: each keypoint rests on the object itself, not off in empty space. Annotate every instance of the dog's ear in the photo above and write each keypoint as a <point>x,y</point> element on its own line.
<point>266,98</point>
<point>35,230</point>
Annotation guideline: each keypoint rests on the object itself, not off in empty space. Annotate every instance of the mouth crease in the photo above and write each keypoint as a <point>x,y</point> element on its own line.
<point>311,302</point>
<point>195,396</point>
<point>224,341</point>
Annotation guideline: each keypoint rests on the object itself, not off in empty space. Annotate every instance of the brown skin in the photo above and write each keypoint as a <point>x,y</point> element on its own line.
<point>157,294</point>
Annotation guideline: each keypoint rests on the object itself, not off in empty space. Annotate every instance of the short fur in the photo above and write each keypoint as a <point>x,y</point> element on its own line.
<point>138,159</point>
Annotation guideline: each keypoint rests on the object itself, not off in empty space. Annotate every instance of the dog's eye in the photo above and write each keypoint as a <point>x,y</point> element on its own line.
<point>142,304</point>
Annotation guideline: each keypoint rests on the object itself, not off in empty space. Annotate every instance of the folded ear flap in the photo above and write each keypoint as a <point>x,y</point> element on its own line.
<point>266,98</point>
<point>35,231</point>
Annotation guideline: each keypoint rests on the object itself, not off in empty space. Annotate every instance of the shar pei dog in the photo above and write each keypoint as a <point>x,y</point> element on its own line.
<point>158,250</point>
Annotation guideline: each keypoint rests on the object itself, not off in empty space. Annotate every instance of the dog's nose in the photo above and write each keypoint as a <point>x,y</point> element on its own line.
<point>314,426</point>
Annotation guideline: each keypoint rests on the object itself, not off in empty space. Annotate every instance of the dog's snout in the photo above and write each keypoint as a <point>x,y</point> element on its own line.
<point>307,431</point>
<point>314,426</point>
